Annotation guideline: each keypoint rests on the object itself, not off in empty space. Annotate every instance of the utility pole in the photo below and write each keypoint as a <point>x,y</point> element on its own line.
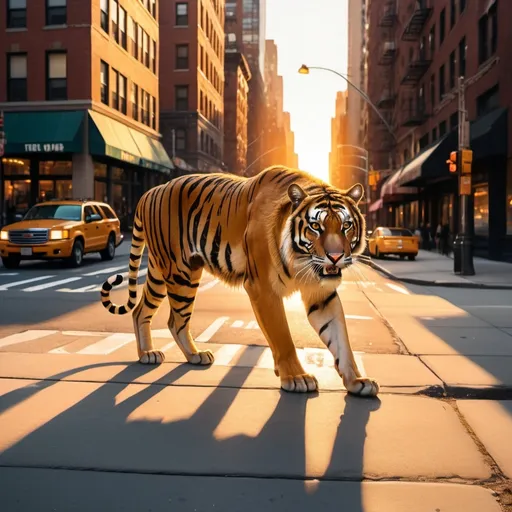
<point>463,246</point>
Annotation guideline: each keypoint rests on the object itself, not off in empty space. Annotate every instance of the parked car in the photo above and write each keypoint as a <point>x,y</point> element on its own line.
<point>61,229</point>
<point>398,241</point>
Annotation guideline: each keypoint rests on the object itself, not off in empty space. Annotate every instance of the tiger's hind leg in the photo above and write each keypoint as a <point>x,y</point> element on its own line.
<point>153,294</point>
<point>181,291</point>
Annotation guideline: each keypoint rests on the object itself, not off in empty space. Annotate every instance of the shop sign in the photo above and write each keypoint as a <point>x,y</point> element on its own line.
<point>44,148</point>
<point>127,157</point>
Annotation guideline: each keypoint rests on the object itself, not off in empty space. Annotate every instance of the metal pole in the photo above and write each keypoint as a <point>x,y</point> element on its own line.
<point>463,245</point>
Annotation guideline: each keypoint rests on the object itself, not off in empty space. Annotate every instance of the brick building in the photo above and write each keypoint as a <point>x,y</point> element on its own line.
<point>80,98</point>
<point>417,51</point>
<point>245,33</point>
<point>192,81</point>
<point>236,92</point>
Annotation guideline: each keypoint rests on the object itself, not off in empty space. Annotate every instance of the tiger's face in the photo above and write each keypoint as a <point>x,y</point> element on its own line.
<point>326,230</point>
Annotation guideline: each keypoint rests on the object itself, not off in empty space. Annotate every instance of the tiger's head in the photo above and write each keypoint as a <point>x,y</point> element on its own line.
<point>326,229</point>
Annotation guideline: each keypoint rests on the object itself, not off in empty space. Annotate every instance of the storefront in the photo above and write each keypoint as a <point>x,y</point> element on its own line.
<point>439,198</point>
<point>64,154</point>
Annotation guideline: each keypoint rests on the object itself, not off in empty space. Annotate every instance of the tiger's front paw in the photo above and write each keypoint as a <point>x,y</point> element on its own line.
<point>304,383</point>
<point>363,387</point>
<point>152,357</point>
<point>203,358</point>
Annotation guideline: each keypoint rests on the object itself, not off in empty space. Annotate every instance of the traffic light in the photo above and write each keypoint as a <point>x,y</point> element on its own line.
<point>452,162</point>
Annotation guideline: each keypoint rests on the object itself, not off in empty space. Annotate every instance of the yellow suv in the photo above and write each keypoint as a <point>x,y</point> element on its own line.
<point>61,229</point>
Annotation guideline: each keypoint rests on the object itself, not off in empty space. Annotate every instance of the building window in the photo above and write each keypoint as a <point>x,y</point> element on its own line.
<point>56,12</point>
<point>104,14</point>
<point>509,198</point>
<point>115,96</point>
<point>135,102</point>
<point>122,94</point>
<point>432,41</point>
<point>16,13</point>
<point>462,6</point>
<point>122,28</point>
<point>182,14</point>
<point>434,134</point>
<point>142,108</point>
<point>146,108</point>
<point>493,17</point>
<point>182,56</point>
<point>453,13</point>
<point>114,19</point>
<point>481,210</point>
<point>153,112</point>
<point>442,128</point>
<point>146,48</point>
<point>181,139</point>
<point>140,40</point>
<point>104,82</point>
<point>433,90</point>
<point>488,101</point>
<point>153,57</point>
<point>462,57</point>
<point>441,83</point>
<point>454,120</point>
<point>453,61</point>
<point>442,26</point>
<point>56,72</point>
<point>17,77</point>
<point>132,35</point>
<point>181,97</point>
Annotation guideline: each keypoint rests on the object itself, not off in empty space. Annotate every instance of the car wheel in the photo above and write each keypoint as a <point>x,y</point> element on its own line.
<point>377,252</point>
<point>110,251</point>
<point>11,262</point>
<point>412,257</point>
<point>77,254</point>
<point>402,256</point>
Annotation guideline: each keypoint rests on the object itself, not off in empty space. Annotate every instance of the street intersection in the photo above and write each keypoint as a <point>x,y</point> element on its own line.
<point>77,412</point>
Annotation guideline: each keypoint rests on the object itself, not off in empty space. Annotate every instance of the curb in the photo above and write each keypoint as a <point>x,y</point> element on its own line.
<point>422,282</point>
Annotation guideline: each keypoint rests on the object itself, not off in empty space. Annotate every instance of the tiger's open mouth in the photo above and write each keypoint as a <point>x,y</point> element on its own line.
<point>331,271</point>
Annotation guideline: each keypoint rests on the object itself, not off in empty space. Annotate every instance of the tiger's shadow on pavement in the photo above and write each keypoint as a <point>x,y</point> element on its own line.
<point>105,431</point>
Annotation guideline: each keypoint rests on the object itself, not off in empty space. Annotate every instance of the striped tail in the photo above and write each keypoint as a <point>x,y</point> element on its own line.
<point>137,248</point>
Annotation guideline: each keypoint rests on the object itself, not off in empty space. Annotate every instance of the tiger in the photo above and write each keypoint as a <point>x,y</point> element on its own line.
<point>276,233</point>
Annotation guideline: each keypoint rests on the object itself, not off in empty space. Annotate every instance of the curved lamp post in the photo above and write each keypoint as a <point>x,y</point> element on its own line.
<point>304,70</point>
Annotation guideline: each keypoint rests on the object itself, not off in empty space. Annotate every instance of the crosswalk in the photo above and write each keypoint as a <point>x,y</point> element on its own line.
<point>91,343</point>
<point>91,282</point>
<point>87,282</point>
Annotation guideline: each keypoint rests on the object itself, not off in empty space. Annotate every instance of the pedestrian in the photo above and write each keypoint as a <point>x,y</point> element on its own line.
<point>445,239</point>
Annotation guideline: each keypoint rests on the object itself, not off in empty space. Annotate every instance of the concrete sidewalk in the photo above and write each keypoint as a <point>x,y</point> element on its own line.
<point>432,268</point>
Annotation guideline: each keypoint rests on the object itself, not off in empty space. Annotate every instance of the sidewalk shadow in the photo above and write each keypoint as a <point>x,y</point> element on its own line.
<point>106,431</point>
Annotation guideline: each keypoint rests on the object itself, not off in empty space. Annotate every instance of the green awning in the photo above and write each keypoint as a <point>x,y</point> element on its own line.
<point>43,132</point>
<point>108,137</point>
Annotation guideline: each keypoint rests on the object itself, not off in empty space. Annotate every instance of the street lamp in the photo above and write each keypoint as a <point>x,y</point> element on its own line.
<point>304,70</point>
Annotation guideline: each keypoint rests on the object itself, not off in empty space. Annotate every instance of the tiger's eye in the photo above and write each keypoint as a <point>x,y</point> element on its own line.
<point>315,225</point>
<point>347,224</point>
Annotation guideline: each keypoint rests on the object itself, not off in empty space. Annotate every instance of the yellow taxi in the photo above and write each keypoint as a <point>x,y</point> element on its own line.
<point>61,229</point>
<point>398,241</point>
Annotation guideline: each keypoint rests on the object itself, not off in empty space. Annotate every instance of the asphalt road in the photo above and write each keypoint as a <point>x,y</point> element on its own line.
<point>86,428</point>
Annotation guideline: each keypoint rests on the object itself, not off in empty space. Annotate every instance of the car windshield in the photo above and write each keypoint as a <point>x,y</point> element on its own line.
<point>395,232</point>
<point>57,211</point>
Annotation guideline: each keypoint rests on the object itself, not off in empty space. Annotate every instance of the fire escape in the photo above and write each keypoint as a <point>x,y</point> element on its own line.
<point>420,15</point>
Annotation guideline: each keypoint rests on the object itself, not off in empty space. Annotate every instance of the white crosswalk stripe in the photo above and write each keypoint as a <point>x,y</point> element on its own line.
<point>89,282</point>
<point>107,343</point>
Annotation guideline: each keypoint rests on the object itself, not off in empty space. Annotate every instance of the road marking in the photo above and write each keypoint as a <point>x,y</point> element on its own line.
<point>358,356</point>
<point>208,285</point>
<point>225,354</point>
<point>397,288</point>
<point>50,285</point>
<point>167,347</point>
<point>84,334</point>
<point>8,274</point>
<point>21,337</point>
<point>358,317</point>
<point>88,288</point>
<point>252,325</point>
<point>25,281</point>
<point>207,334</point>
<point>105,271</point>
<point>109,344</point>
<point>237,323</point>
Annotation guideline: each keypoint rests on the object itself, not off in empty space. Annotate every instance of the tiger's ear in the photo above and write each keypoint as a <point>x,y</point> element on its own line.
<point>296,195</point>
<point>355,192</point>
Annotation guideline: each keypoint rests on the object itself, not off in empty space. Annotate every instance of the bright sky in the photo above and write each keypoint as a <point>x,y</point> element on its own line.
<point>312,33</point>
